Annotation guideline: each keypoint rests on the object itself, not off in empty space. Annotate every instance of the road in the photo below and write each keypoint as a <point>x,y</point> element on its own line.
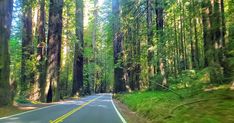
<point>91,109</point>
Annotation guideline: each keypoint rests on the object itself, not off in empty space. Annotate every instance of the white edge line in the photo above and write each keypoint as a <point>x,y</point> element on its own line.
<point>120,116</point>
<point>27,112</point>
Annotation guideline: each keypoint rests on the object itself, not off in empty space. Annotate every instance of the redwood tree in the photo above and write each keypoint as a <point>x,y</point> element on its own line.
<point>79,51</point>
<point>119,84</point>
<point>41,41</point>
<point>212,38</point>
<point>27,75</point>
<point>5,27</point>
<point>51,92</point>
<point>161,41</point>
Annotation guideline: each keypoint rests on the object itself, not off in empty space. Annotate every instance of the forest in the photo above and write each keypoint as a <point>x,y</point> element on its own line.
<point>151,54</point>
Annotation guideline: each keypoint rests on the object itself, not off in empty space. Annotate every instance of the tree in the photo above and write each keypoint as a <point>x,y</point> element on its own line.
<point>41,45</point>
<point>94,38</point>
<point>119,85</point>
<point>229,51</point>
<point>5,27</point>
<point>211,37</point>
<point>27,74</point>
<point>79,51</point>
<point>51,91</point>
<point>151,68</point>
<point>161,41</point>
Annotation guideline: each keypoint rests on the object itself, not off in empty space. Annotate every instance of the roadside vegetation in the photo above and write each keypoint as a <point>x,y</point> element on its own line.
<point>201,103</point>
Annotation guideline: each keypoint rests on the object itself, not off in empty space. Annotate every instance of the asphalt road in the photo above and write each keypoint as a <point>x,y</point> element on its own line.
<point>91,109</point>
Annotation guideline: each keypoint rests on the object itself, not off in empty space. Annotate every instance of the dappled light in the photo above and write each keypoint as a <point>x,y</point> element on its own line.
<point>116,61</point>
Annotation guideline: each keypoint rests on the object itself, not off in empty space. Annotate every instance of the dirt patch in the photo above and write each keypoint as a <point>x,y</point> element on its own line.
<point>19,108</point>
<point>129,116</point>
<point>26,107</point>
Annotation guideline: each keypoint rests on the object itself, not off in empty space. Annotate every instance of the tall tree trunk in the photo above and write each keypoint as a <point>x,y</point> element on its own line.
<point>41,41</point>
<point>186,62</point>
<point>27,75</point>
<point>94,38</point>
<point>177,58</point>
<point>150,40</point>
<point>196,53</point>
<point>5,27</point>
<point>182,49</point>
<point>54,51</point>
<point>79,50</point>
<point>215,28</point>
<point>193,53</point>
<point>211,34</point>
<point>119,84</point>
<point>137,56</point>
<point>222,43</point>
<point>161,47</point>
<point>229,50</point>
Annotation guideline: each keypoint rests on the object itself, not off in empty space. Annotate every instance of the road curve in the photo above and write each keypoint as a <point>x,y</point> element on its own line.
<point>97,108</point>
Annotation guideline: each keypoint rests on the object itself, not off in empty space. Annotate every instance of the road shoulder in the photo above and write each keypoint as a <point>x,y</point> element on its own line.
<point>17,109</point>
<point>129,116</point>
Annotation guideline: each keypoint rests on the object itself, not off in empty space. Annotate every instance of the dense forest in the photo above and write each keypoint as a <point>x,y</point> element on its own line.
<point>54,49</point>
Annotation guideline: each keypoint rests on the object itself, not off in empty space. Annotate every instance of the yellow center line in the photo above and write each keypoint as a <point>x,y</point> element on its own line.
<point>63,117</point>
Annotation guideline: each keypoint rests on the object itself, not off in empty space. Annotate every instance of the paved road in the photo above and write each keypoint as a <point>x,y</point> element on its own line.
<point>91,109</point>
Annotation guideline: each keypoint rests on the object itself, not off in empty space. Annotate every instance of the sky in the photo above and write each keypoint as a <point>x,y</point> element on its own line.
<point>87,11</point>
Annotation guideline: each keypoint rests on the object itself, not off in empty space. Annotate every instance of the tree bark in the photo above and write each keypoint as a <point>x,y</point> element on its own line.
<point>197,55</point>
<point>119,84</point>
<point>54,51</point>
<point>211,36</point>
<point>41,45</point>
<point>94,39</point>
<point>5,27</point>
<point>177,58</point>
<point>150,40</point>
<point>229,54</point>
<point>137,56</point>
<point>182,45</point>
<point>161,47</point>
<point>79,50</point>
<point>27,75</point>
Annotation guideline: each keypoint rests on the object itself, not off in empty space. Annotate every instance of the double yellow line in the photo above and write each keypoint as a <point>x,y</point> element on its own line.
<point>63,117</point>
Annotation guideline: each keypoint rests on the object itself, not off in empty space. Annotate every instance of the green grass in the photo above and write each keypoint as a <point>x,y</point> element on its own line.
<point>159,106</point>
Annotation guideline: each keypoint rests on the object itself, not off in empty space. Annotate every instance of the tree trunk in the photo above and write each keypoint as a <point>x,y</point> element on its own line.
<point>150,40</point>
<point>196,47</point>
<point>222,43</point>
<point>182,49</point>
<point>177,58</point>
<point>5,27</point>
<point>27,75</point>
<point>79,50</point>
<point>94,38</point>
<point>229,50</point>
<point>119,84</point>
<point>211,35</point>
<point>54,51</point>
<point>192,44</point>
<point>161,47</point>
<point>41,45</point>
<point>137,56</point>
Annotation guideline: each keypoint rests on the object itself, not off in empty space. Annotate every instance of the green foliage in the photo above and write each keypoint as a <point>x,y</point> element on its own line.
<point>161,106</point>
<point>15,64</point>
<point>22,100</point>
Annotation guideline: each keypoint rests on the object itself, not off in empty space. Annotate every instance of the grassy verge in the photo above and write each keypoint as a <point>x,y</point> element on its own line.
<point>9,110</point>
<point>161,106</point>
